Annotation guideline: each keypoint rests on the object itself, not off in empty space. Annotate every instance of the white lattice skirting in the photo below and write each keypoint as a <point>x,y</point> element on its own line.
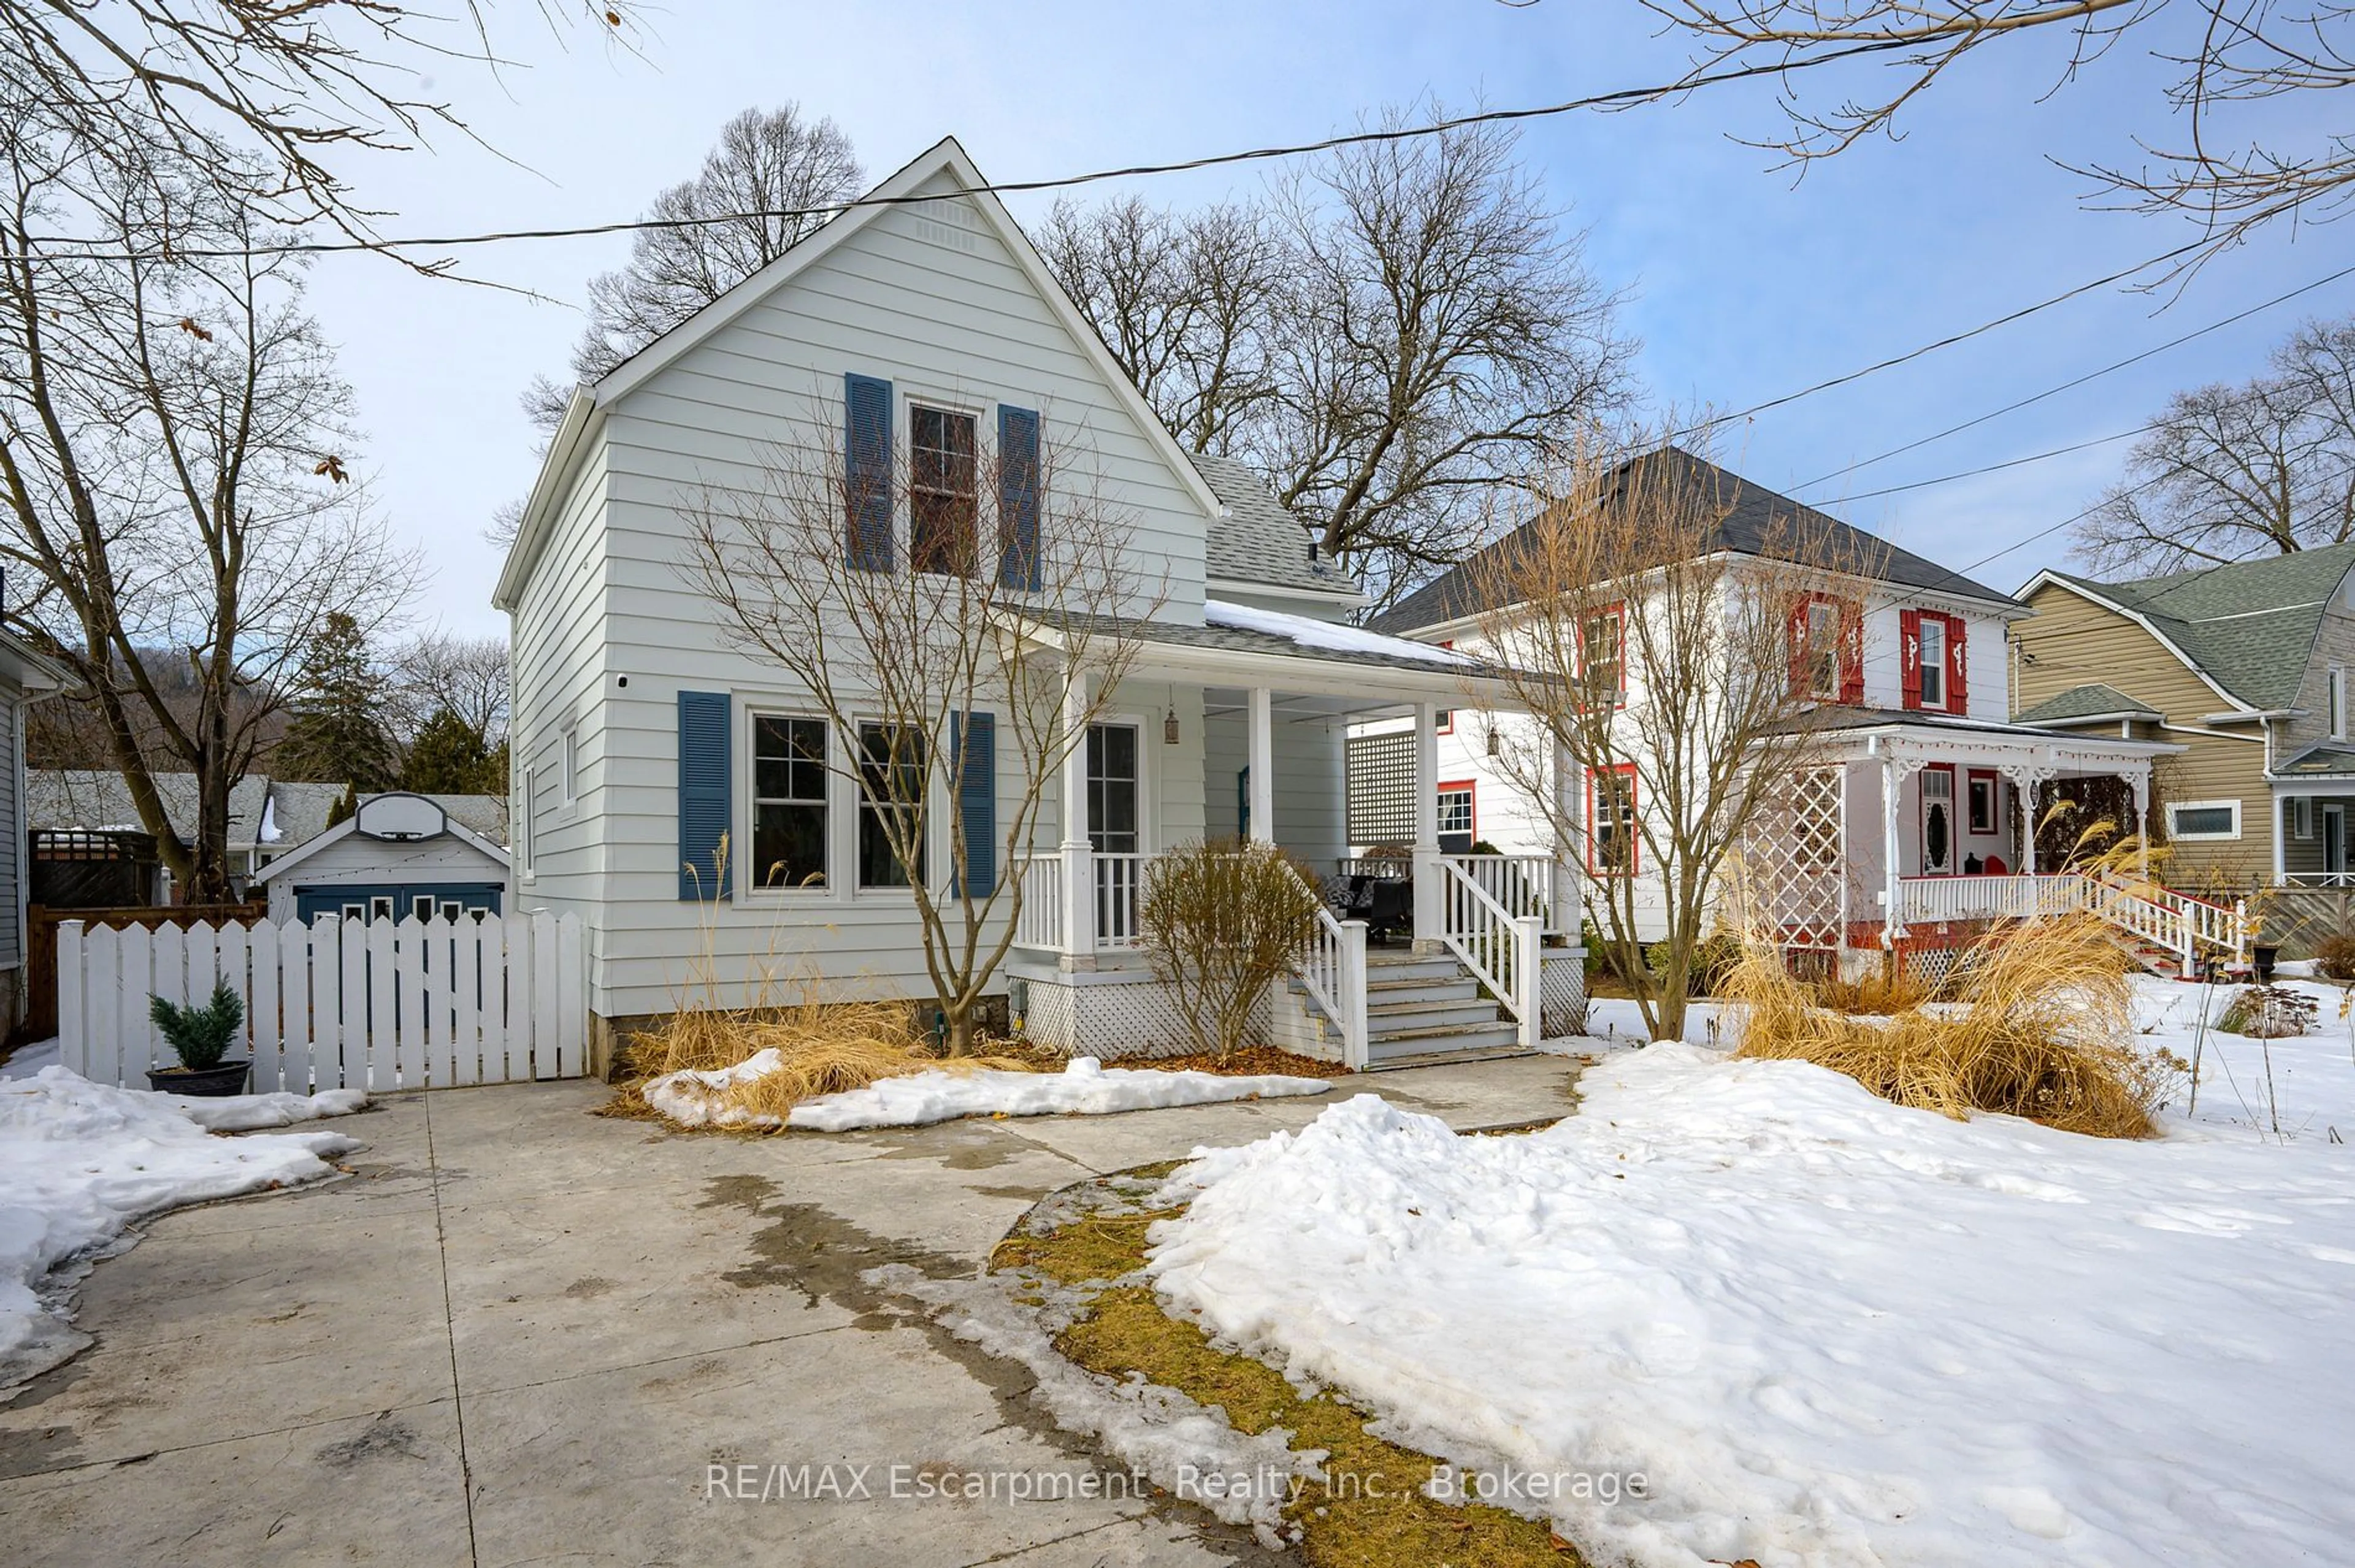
<point>1562,993</point>
<point>1108,1013</point>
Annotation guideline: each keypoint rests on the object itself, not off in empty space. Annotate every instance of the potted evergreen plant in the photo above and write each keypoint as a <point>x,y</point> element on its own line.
<point>202,1036</point>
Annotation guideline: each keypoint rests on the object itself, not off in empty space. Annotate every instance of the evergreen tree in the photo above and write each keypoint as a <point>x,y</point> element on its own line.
<point>449,757</point>
<point>337,734</point>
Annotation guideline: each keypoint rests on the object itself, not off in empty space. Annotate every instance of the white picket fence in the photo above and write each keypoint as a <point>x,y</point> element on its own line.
<point>338,1004</point>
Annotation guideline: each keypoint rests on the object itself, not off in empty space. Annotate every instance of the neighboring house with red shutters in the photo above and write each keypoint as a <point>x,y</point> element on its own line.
<point>662,774</point>
<point>1912,827</point>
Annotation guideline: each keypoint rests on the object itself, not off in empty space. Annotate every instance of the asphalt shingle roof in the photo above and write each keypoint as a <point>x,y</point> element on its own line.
<point>2089,701</point>
<point>1258,541</point>
<point>2319,761</point>
<point>1757,522</point>
<point>2248,625</point>
<point>98,798</point>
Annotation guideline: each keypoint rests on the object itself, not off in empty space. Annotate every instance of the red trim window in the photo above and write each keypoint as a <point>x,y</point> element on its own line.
<point>1446,715</point>
<point>1459,812</point>
<point>1610,821</point>
<point>1827,648</point>
<point>1985,794</point>
<point>1602,651</point>
<point>1935,659</point>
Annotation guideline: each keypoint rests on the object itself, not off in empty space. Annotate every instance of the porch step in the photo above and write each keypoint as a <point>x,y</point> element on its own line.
<point>1388,966</point>
<point>1385,1020</point>
<point>1497,1036</point>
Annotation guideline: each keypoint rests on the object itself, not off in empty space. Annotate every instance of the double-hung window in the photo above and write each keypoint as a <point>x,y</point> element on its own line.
<point>789,802</point>
<point>1934,661</point>
<point>1603,654</point>
<point>942,535</point>
<point>1611,819</point>
<point>891,773</point>
<point>1818,660</point>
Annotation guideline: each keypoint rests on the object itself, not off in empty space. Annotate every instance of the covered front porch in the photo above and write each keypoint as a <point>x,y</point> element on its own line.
<point>1423,955</point>
<point>1912,835</point>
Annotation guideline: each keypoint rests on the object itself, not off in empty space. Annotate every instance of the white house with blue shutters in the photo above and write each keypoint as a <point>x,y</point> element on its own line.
<point>646,738</point>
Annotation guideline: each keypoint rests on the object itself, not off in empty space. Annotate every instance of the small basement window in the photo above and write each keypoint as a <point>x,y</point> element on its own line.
<point>2195,820</point>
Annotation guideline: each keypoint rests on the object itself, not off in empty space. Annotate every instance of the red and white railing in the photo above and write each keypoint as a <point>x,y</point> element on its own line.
<point>2177,924</point>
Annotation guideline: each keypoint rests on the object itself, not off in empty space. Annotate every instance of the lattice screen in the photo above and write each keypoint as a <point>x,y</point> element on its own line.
<point>1382,788</point>
<point>1793,862</point>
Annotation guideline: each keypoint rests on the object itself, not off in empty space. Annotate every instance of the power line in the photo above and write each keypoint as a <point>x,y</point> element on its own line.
<point>1615,98</point>
<point>1998,467</point>
<point>2078,382</point>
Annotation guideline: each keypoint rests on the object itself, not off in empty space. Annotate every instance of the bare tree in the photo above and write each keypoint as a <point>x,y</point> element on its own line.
<point>2215,164</point>
<point>1390,337</point>
<point>750,203</point>
<point>176,460</point>
<point>992,648</point>
<point>2230,472</point>
<point>289,86</point>
<point>442,672</point>
<point>1669,681</point>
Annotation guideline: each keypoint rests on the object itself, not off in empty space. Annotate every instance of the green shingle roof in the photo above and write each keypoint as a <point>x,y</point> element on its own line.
<point>2091,701</point>
<point>2249,625</point>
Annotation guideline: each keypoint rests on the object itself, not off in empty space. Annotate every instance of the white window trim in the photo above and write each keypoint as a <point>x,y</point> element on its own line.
<point>569,765</point>
<point>747,879</point>
<point>2176,807</point>
<point>526,837</point>
<point>2337,698</point>
<point>1149,747</point>
<point>1928,621</point>
<point>937,797</point>
<point>2301,816</point>
<point>910,396</point>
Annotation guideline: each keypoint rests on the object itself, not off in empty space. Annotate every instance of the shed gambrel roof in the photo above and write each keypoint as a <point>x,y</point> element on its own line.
<point>1756,521</point>
<point>2248,626</point>
<point>1258,541</point>
<point>2093,701</point>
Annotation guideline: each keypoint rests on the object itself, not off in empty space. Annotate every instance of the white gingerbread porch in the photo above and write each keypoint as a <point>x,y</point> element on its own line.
<point>1912,834</point>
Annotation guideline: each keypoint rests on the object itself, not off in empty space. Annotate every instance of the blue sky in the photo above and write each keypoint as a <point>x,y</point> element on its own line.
<point>1743,283</point>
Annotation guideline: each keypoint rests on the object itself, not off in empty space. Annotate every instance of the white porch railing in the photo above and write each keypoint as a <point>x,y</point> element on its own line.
<point>1392,866</point>
<point>2318,878</point>
<point>1521,884</point>
<point>2175,922</point>
<point>1332,967</point>
<point>1119,879</point>
<point>1040,878</point>
<point>1499,947</point>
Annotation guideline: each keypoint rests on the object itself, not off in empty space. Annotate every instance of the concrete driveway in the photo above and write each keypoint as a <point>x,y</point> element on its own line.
<point>517,1333</point>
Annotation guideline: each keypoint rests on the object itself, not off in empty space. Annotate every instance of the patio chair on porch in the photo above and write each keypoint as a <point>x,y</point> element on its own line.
<point>1384,903</point>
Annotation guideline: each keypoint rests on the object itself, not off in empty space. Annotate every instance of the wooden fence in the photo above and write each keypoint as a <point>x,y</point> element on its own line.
<point>337,1004</point>
<point>2298,918</point>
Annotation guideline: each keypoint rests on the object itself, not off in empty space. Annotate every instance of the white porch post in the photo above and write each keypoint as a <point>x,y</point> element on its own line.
<point>1428,920</point>
<point>1893,791</point>
<point>1079,860</point>
<point>2281,848</point>
<point>1262,765</point>
<point>2138,782</point>
<point>1568,801</point>
<point>2023,785</point>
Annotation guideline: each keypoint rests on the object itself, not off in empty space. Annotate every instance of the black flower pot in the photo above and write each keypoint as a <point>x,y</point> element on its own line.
<point>206,1083</point>
<point>2265,956</point>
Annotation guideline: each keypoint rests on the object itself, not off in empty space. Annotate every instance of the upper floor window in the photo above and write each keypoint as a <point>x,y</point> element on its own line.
<point>1933,663</point>
<point>2337,698</point>
<point>1934,660</point>
<point>1602,652</point>
<point>1824,666</point>
<point>943,536</point>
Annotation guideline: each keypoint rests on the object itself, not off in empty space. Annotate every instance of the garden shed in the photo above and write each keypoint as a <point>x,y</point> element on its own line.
<point>397,855</point>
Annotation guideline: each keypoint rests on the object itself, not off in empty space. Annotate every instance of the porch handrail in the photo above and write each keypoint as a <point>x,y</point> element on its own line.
<point>1119,879</point>
<point>2177,924</point>
<point>1331,966</point>
<point>1040,878</point>
<point>1521,884</point>
<point>1499,947</point>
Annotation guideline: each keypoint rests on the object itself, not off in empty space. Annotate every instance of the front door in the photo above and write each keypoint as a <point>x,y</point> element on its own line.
<point>1938,820</point>
<point>2333,840</point>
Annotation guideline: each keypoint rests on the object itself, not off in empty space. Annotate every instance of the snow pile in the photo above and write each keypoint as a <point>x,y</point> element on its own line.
<point>79,1161</point>
<point>1085,1087</point>
<point>1303,632</point>
<point>1822,1328</point>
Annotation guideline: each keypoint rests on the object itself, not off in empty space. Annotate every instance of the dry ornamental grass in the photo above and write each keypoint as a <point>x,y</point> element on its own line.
<point>2044,1030</point>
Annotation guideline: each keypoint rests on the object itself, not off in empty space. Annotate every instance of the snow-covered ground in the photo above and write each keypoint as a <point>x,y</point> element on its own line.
<point>1085,1087</point>
<point>1826,1330</point>
<point>78,1162</point>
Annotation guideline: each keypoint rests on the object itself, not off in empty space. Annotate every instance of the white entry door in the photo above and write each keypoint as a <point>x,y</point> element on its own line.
<point>1938,821</point>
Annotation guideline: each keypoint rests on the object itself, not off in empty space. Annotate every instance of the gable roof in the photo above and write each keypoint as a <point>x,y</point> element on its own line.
<point>1257,542</point>
<point>903,188</point>
<point>263,811</point>
<point>2079,703</point>
<point>2247,627</point>
<point>451,828</point>
<point>1756,518</point>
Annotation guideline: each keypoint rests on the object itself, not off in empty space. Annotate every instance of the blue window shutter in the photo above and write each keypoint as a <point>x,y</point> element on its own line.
<point>867,472</point>
<point>1018,499</point>
<point>704,805</point>
<point>972,738</point>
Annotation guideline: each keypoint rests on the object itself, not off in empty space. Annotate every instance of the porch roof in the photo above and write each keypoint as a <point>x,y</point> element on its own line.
<point>1945,734</point>
<point>1240,647</point>
<point>2323,761</point>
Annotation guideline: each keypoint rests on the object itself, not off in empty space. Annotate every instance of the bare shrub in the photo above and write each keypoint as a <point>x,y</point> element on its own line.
<point>2269,1012</point>
<point>1222,921</point>
<point>2046,1032</point>
<point>2334,958</point>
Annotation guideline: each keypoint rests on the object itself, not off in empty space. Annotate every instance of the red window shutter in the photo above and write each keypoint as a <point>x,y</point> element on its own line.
<point>1958,697</point>
<point>1851,659</point>
<point>1909,642</point>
